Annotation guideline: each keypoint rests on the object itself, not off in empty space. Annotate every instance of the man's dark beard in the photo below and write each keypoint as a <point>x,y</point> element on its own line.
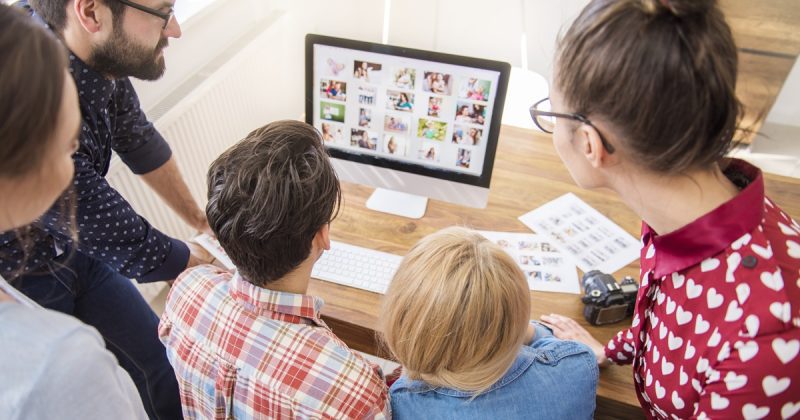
<point>120,57</point>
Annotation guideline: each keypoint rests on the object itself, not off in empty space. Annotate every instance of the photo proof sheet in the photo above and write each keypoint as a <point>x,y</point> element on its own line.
<point>545,268</point>
<point>589,239</point>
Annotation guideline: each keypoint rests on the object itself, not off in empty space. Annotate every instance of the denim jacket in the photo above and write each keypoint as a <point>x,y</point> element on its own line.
<point>550,379</point>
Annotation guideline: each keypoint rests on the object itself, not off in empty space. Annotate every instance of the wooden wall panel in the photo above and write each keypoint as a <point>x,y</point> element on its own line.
<point>765,25</point>
<point>768,36</point>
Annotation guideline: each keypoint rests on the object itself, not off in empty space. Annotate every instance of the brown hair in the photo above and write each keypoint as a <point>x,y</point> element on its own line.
<point>662,73</point>
<point>32,75</point>
<point>54,12</point>
<point>32,65</point>
<point>456,311</point>
<point>268,196</point>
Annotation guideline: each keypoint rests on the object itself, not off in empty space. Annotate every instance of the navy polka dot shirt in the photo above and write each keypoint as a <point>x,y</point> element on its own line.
<point>109,229</point>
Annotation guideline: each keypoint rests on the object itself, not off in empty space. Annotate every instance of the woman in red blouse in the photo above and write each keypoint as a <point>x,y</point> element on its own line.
<point>644,104</point>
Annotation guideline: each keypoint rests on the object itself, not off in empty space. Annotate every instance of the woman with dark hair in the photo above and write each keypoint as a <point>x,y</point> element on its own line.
<point>402,103</point>
<point>644,104</point>
<point>52,365</point>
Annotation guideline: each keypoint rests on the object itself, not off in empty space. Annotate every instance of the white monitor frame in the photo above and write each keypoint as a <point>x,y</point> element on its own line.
<point>457,187</point>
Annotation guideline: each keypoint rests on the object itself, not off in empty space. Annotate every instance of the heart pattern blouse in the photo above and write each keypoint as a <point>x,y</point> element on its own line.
<point>716,331</point>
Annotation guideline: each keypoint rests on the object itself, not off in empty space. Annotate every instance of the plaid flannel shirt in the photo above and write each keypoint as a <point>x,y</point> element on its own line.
<point>241,351</point>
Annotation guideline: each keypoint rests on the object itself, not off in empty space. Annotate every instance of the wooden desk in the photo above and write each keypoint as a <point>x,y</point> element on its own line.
<point>527,174</point>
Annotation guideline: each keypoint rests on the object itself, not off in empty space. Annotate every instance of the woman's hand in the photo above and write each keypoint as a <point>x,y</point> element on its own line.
<point>567,329</point>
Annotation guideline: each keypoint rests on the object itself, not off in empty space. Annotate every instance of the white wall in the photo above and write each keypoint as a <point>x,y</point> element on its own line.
<point>467,27</point>
<point>482,29</point>
<point>786,110</point>
<point>463,27</point>
<point>544,21</point>
<point>207,32</point>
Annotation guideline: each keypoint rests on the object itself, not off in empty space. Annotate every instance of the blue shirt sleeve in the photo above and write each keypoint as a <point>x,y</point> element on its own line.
<point>136,140</point>
<point>540,332</point>
<point>111,231</point>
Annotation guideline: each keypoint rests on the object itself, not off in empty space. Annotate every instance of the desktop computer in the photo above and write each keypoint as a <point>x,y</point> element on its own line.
<point>414,124</point>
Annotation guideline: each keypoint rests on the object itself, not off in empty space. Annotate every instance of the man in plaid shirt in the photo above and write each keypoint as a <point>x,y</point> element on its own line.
<point>252,344</point>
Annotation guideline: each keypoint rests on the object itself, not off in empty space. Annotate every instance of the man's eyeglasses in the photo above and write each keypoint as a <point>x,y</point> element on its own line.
<point>546,120</point>
<point>166,16</point>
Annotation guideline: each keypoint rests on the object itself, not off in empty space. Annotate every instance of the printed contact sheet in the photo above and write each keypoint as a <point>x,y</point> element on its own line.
<point>546,269</point>
<point>589,239</point>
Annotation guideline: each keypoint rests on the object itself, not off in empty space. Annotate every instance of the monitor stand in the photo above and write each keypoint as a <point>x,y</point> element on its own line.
<point>397,203</point>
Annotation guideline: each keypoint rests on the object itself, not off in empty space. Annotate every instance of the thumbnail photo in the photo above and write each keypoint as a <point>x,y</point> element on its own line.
<point>469,136</point>
<point>366,95</point>
<point>429,150</point>
<point>368,72</point>
<point>470,113</point>
<point>332,89</point>
<point>333,133</point>
<point>334,67</point>
<point>434,106</point>
<point>530,260</point>
<point>474,89</point>
<point>399,101</point>
<point>437,83</point>
<point>365,118</point>
<point>404,78</point>
<point>331,111</point>
<point>394,144</point>
<point>396,123</point>
<point>363,139</point>
<point>431,130</point>
<point>463,158</point>
<point>542,276</point>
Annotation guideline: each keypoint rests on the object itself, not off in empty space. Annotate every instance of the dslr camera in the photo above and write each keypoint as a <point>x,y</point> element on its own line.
<point>606,300</point>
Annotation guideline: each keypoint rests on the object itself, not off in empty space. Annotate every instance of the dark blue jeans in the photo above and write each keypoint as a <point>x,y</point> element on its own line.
<point>93,292</point>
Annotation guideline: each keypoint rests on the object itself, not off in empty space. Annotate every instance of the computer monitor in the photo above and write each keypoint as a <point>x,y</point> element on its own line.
<point>415,124</point>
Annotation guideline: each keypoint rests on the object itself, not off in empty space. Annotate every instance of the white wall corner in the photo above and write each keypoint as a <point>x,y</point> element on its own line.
<point>786,110</point>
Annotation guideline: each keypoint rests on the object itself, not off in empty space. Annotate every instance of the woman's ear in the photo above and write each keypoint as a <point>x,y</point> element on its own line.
<point>592,146</point>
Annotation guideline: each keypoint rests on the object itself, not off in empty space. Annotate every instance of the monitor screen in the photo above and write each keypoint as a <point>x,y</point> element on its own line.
<point>416,111</point>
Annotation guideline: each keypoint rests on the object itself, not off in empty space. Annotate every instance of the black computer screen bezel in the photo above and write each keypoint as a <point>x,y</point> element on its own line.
<point>504,69</point>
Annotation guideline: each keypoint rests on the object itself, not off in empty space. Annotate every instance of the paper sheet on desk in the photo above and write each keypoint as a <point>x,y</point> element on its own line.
<point>546,269</point>
<point>589,239</point>
<point>213,247</point>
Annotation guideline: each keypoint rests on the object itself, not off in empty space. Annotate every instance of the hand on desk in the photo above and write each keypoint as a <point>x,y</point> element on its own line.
<point>567,329</point>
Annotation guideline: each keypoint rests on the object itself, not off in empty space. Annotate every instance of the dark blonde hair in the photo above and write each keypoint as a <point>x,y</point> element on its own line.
<point>661,72</point>
<point>456,311</point>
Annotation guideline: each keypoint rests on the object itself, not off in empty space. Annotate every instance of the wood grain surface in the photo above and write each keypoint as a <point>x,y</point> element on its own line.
<point>527,174</point>
<point>767,34</point>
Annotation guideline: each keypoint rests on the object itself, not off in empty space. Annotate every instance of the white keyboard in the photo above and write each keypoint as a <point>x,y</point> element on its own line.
<point>358,267</point>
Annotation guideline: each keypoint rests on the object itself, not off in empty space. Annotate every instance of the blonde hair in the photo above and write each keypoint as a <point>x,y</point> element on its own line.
<point>456,312</point>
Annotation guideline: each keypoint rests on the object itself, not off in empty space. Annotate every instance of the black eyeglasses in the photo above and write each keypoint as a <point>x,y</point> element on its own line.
<point>166,16</point>
<point>546,120</point>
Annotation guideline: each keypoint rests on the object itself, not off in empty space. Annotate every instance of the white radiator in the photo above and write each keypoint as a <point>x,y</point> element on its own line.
<point>214,108</point>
